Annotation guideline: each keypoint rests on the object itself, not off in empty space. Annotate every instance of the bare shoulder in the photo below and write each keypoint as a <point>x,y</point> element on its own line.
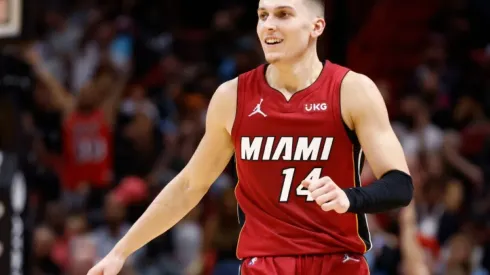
<point>356,86</point>
<point>227,90</point>
<point>359,97</point>
<point>222,107</point>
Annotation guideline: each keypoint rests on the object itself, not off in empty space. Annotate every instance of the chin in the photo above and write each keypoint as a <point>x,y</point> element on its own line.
<point>272,58</point>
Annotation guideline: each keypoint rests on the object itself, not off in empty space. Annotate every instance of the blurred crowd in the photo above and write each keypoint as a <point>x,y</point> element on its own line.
<point>441,117</point>
<point>146,76</point>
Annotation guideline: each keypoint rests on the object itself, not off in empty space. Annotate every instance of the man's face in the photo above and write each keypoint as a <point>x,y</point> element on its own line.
<point>286,28</point>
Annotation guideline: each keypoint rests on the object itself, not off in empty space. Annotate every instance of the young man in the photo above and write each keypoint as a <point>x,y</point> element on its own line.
<point>297,126</point>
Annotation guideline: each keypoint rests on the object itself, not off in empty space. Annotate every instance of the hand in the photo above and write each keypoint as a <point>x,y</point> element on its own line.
<point>110,265</point>
<point>327,194</point>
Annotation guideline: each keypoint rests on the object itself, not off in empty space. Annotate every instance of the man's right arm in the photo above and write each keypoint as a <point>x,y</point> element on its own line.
<point>185,191</point>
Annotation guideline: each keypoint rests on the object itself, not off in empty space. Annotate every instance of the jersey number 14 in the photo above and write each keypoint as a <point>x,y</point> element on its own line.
<point>288,174</point>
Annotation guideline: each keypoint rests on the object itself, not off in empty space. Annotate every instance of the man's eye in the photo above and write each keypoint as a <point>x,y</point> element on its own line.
<point>263,16</point>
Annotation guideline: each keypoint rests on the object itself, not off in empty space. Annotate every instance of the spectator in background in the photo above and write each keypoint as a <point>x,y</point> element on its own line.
<point>413,260</point>
<point>222,232</point>
<point>114,227</point>
<point>44,239</point>
<point>417,132</point>
<point>86,161</point>
<point>95,48</point>
<point>137,142</point>
<point>61,43</point>
<point>75,226</point>
<point>82,255</point>
<point>463,149</point>
<point>458,258</point>
<point>188,242</point>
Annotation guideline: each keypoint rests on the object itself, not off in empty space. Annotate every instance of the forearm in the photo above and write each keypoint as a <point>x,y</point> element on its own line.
<point>169,207</point>
<point>117,91</point>
<point>59,93</point>
<point>409,247</point>
<point>412,253</point>
<point>461,164</point>
<point>391,191</point>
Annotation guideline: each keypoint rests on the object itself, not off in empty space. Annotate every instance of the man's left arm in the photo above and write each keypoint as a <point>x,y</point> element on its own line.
<point>365,112</point>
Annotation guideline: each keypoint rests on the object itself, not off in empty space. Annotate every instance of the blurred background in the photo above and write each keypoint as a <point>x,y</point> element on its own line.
<point>103,102</point>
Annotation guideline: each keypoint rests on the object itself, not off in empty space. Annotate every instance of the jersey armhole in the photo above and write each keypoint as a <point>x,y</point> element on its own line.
<point>351,134</point>
<point>238,110</point>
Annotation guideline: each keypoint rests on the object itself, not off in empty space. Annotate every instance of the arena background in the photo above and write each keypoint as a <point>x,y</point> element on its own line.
<point>430,60</point>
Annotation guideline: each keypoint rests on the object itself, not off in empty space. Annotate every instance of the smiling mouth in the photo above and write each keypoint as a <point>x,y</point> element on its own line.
<point>273,41</point>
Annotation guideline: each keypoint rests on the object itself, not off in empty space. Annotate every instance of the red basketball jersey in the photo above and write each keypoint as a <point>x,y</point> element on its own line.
<point>278,144</point>
<point>87,150</point>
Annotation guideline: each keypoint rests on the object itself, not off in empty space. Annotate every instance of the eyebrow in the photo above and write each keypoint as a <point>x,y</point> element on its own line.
<point>277,8</point>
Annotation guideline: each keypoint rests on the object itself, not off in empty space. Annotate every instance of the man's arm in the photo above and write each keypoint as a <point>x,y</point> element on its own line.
<point>365,112</point>
<point>61,97</point>
<point>413,256</point>
<point>185,191</point>
<point>111,103</point>
<point>463,165</point>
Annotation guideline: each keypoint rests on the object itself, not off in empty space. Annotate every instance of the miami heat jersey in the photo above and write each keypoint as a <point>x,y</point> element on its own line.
<point>87,149</point>
<point>278,144</point>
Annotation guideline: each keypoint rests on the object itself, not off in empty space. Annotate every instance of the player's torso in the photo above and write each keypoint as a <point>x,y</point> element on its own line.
<point>87,142</point>
<point>279,143</point>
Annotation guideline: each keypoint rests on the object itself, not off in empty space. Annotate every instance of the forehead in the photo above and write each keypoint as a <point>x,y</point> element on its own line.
<point>272,4</point>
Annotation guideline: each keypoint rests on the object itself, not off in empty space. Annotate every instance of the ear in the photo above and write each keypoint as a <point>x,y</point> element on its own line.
<point>318,27</point>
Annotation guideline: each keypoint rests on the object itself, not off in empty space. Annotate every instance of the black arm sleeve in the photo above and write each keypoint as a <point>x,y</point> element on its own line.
<point>393,190</point>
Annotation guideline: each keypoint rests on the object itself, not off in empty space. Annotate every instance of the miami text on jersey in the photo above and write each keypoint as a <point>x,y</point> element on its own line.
<point>286,148</point>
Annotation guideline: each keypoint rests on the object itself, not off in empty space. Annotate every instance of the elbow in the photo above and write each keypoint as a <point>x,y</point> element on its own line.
<point>189,183</point>
<point>400,186</point>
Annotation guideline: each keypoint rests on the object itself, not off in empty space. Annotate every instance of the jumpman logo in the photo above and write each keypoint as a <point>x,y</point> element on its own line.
<point>349,258</point>
<point>257,109</point>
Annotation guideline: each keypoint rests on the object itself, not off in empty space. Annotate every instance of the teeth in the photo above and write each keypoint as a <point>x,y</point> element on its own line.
<point>273,40</point>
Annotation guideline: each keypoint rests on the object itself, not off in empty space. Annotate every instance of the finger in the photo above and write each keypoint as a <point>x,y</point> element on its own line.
<point>329,206</point>
<point>325,198</point>
<point>306,183</point>
<point>319,183</point>
<point>314,185</point>
<point>326,188</point>
<point>310,184</point>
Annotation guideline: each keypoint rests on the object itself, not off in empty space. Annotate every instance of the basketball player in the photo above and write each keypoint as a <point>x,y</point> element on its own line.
<point>296,126</point>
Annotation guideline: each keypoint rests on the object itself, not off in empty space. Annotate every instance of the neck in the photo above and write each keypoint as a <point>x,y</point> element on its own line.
<point>296,76</point>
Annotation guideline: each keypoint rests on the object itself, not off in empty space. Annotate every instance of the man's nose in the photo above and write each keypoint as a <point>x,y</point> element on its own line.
<point>270,24</point>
